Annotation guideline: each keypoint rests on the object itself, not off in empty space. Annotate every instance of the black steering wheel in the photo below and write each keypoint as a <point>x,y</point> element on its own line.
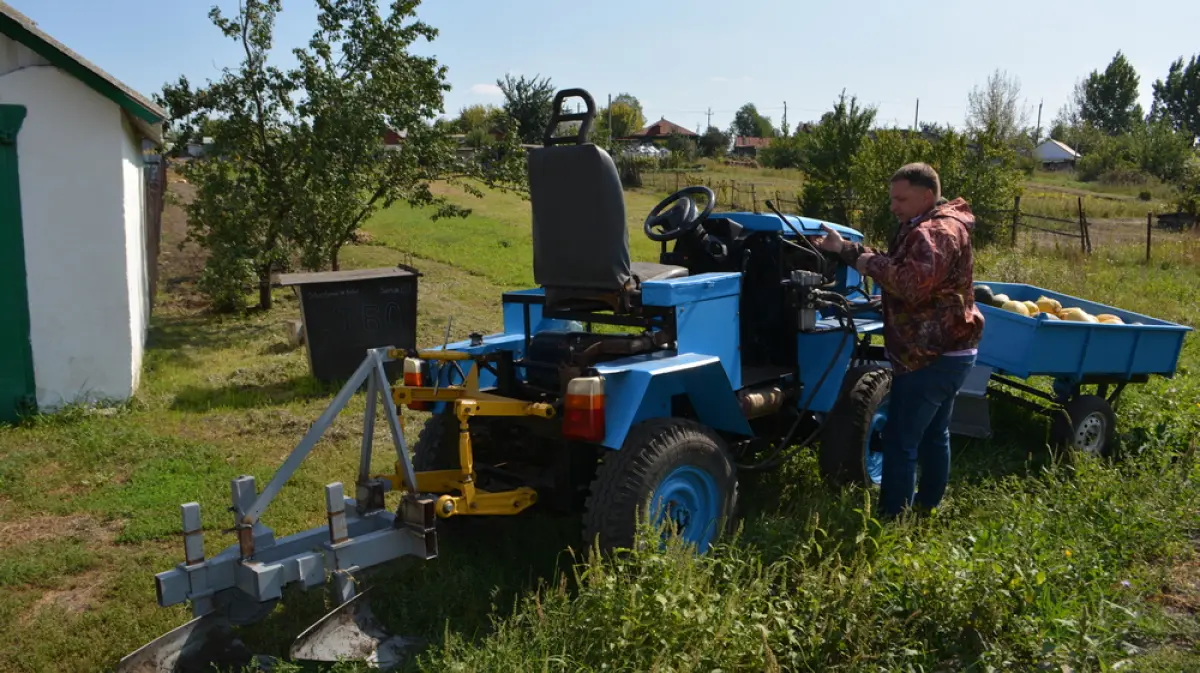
<point>682,217</point>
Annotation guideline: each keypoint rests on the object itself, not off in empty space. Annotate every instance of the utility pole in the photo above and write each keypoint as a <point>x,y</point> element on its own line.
<point>710,116</point>
<point>917,116</point>
<point>785,122</point>
<point>1037,132</point>
<point>610,120</point>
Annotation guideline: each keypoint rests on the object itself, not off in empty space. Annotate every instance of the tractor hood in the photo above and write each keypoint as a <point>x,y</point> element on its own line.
<point>770,222</point>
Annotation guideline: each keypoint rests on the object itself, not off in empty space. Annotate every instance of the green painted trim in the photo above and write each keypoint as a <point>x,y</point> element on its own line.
<point>13,303</point>
<point>80,71</point>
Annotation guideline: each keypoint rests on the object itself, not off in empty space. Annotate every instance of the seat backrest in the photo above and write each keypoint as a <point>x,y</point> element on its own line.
<point>580,239</point>
<point>580,243</point>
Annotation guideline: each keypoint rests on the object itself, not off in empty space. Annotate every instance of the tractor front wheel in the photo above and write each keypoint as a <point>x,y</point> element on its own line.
<point>851,450</point>
<point>668,469</point>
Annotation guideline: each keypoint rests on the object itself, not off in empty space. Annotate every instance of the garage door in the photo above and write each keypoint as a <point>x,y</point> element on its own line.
<point>16,357</point>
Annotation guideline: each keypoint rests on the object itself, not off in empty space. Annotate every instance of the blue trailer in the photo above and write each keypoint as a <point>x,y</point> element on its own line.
<point>626,393</point>
<point>1074,356</point>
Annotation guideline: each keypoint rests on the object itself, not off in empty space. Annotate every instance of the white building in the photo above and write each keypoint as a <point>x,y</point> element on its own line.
<point>77,238</point>
<point>1054,154</point>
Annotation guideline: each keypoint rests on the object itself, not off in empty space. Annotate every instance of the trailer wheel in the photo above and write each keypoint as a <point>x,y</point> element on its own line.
<point>851,450</point>
<point>1092,426</point>
<point>675,469</point>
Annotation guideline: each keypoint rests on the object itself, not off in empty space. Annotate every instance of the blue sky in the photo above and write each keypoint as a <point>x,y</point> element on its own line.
<point>684,58</point>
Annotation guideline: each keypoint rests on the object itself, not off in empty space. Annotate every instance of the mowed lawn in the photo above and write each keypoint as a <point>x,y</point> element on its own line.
<point>1034,562</point>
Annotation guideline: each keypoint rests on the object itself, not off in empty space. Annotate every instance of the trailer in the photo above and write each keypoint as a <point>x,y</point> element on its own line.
<point>1089,365</point>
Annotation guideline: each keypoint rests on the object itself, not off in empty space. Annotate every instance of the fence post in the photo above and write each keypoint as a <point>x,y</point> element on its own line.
<point>1149,230</point>
<point>753,198</point>
<point>1082,228</point>
<point>1016,219</point>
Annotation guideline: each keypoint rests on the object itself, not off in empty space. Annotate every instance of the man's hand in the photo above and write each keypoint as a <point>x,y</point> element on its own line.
<point>861,264</point>
<point>832,242</point>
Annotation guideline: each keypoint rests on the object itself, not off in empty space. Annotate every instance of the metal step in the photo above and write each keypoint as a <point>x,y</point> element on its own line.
<point>972,415</point>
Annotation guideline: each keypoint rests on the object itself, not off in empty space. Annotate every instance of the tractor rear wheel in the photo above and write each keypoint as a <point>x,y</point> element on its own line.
<point>851,450</point>
<point>671,467</point>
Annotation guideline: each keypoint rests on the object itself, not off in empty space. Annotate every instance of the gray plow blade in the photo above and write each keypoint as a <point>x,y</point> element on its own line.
<point>351,632</point>
<point>195,646</point>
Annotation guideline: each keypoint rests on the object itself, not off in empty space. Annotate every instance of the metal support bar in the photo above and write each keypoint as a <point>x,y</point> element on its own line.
<point>335,505</point>
<point>310,438</point>
<point>193,533</point>
<point>364,463</point>
<point>393,419</point>
<point>1023,387</point>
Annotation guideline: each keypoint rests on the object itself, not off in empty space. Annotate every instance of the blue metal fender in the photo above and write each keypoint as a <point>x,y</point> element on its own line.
<point>641,387</point>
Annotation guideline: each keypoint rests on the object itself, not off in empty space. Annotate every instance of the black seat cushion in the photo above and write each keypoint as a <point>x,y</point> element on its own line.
<point>648,271</point>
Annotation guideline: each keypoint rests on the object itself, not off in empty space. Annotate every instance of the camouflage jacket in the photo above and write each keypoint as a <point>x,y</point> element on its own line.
<point>927,284</point>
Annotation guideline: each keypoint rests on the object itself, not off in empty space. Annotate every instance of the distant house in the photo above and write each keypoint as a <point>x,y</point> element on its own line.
<point>746,146</point>
<point>199,149</point>
<point>660,130</point>
<point>1053,154</point>
<point>393,139</point>
<point>79,211</point>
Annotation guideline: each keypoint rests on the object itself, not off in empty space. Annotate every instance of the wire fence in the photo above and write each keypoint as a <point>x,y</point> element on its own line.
<point>730,193</point>
<point>1015,226</point>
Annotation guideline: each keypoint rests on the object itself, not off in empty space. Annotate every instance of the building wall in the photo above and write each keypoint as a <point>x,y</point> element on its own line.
<point>137,273</point>
<point>14,56</point>
<point>73,187</point>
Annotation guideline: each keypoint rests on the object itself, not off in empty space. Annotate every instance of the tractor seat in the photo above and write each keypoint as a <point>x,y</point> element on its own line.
<point>648,271</point>
<point>580,236</point>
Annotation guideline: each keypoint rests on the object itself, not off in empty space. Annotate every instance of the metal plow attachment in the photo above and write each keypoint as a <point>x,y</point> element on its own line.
<point>245,581</point>
<point>196,646</point>
<point>352,632</point>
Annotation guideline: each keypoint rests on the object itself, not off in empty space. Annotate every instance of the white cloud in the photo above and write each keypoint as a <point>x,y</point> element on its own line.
<point>486,90</point>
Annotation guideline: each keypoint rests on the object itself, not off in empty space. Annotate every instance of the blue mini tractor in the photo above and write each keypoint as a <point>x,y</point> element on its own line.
<point>630,393</point>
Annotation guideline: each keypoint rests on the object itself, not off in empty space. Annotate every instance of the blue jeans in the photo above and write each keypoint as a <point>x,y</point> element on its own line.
<point>918,433</point>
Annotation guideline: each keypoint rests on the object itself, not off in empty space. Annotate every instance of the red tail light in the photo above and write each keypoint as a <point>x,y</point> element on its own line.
<point>414,377</point>
<point>583,410</point>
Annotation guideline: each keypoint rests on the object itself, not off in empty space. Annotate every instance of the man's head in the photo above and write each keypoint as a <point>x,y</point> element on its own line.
<point>915,189</point>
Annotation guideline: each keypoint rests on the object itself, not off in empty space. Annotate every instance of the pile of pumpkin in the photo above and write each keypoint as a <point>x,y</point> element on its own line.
<point>1052,309</point>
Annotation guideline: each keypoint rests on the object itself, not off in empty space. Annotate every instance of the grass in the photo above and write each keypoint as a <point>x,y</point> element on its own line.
<point>1069,181</point>
<point>1033,562</point>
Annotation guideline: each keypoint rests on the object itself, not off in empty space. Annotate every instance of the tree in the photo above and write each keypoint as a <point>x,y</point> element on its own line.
<point>714,143</point>
<point>996,109</point>
<point>1177,99</point>
<point>472,117</point>
<point>829,153</point>
<point>298,162</point>
<point>626,117</point>
<point>1110,98</point>
<point>784,152</point>
<point>530,102</point>
<point>748,122</point>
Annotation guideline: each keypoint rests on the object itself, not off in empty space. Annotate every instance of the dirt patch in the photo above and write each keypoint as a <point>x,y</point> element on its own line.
<point>180,263</point>
<point>1181,594</point>
<point>78,594</point>
<point>44,527</point>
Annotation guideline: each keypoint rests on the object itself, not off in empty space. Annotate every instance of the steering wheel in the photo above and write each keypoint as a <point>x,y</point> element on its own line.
<point>680,218</point>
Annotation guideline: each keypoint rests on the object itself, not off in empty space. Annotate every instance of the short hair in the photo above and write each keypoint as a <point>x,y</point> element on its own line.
<point>920,174</point>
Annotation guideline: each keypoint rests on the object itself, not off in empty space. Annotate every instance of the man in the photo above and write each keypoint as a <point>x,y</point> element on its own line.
<point>931,330</point>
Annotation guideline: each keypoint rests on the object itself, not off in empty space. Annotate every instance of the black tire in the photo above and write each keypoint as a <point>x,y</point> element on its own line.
<point>625,481</point>
<point>436,447</point>
<point>1092,427</point>
<point>842,455</point>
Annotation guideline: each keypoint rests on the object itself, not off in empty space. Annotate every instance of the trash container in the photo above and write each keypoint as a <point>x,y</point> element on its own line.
<point>345,313</point>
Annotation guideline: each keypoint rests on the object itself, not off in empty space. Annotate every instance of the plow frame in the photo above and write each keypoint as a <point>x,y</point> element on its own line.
<point>245,581</point>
